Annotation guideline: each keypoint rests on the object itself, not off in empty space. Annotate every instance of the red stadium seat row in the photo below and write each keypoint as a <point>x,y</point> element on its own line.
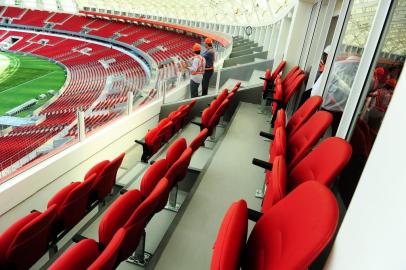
<point>166,128</point>
<point>211,115</point>
<point>299,213</point>
<point>122,228</point>
<point>65,209</point>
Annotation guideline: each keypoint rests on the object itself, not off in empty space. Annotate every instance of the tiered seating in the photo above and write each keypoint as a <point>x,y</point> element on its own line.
<point>211,115</point>
<point>33,18</point>
<point>158,136</point>
<point>94,121</point>
<point>64,211</point>
<point>122,227</point>
<point>289,236</point>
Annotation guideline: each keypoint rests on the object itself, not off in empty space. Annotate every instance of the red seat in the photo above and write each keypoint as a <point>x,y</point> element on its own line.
<point>307,136</point>
<point>215,119</point>
<point>291,89</point>
<point>222,96</point>
<point>236,87</point>
<point>118,214</point>
<point>231,238</point>
<point>152,176</point>
<point>26,241</point>
<point>176,118</point>
<point>276,183</point>
<point>280,119</point>
<point>277,96</point>
<point>278,70</point>
<point>103,184</point>
<point>165,127</point>
<point>175,150</point>
<point>97,169</point>
<point>178,170</point>
<point>71,203</point>
<point>86,255</point>
<point>199,140</point>
<point>303,113</point>
<point>141,216</point>
<point>323,164</point>
<point>267,83</point>
<point>294,231</point>
<point>291,74</point>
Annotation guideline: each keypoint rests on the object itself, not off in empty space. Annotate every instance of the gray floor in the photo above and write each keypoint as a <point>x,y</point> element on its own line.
<point>229,177</point>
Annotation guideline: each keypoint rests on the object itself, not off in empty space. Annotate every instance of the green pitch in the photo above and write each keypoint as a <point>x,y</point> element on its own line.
<point>26,77</point>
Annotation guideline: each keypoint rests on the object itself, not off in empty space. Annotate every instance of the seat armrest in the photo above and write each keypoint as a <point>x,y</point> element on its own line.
<point>196,123</point>
<point>262,164</point>
<point>78,237</point>
<point>254,215</point>
<point>267,135</point>
<point>265,79</point>
<point>141,142</point>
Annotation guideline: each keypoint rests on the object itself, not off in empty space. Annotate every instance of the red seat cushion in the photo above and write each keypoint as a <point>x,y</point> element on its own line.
<point>175,151</point>
<point>97,169</point>
<point>294,231</point>
<point>276,184</point>
<point>231,238</point>
<point>302,114</point>
<point>152,176</point>
<point>323,164</point>
<point>199,140</point>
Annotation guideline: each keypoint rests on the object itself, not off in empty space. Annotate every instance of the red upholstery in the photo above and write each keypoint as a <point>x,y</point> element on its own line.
<point>175,151</point>
<point>108,258</point>
<point>302,114</point>
<point>118,214</point>
<point>17,242</point>
<point>206,115</point>
<point>165,127</point>
<point>231,238</point>
<point>278,69</point>
<point>222,96</point>
<point>176,118</point>
<point>276,185</point>
<point>267,77</point>
<point>179,169</point>
<point>80,256</point>
<point>71,203</point>
<point>278,95</point>
<point>291,74</point>
<point>140,217</point>
<point>199,140</point>
<point>280,120</point>
<point>153,141</point>
<point>236,87</point>
<point>294,231</point>
<point>323,164</point>
<point>105,183</point>
<point>231,96</point>
<point>214,120</point>
<point>152,176</point>
<point>292,88</point>
<point>278,145</point>
<point>97,169</point>
<point>307,136</point>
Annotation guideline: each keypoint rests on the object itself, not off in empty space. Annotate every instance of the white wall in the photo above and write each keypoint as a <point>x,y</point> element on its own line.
<point>373,233</point>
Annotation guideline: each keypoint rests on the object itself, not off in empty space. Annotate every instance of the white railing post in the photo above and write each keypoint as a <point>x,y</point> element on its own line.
<point>81,125</point>
<point>130,101</point>
<point>218,79</point>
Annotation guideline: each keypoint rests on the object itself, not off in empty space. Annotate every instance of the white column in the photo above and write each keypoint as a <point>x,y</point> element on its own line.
<point>81,125</point>
<point>130,101</point>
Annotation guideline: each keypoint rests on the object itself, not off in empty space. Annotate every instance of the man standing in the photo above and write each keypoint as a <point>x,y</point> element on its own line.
<point>196,70</point>
<point>209,55</point>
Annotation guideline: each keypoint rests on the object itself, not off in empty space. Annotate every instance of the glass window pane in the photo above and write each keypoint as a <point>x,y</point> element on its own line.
<point>347,58</point>
<point>377,97</point>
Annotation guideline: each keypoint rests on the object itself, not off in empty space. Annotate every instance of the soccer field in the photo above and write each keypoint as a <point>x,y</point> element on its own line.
<point>25,78</point>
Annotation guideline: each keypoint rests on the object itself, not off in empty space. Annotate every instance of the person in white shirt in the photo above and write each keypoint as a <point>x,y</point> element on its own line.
<point>196,69</point>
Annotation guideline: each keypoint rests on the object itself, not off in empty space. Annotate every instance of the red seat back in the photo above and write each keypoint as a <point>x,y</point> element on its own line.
<point>267,77</point>
<point>231,238</point>
<point>118,214</point>
<point>300,144</point>
<point>179,169</point>
<point>199,140</point>
<point>236,87</point>
<point>107,260</point>
<point>176,118</point>
<point>140,217</point>
<point>105,183</point>
<point>27,240</point>
<point>222,96</point>
<point>280,120</point>
<point>278,69</point>
<point>214,120</point>
<point>165,127</point>
<point>72,202</point>
<point>323,164</point>
<point>175,151</point>
<point>294,231</point>
<point>291,74</point>
<point>276,183</point>
<point>80,256</point>
<point>302,114</point>
<point>278,145</point>
<point>292,88</point>
<point>97,169</point>
<point>278,95</point>
<point>206,115</point>
<point>152,176</point>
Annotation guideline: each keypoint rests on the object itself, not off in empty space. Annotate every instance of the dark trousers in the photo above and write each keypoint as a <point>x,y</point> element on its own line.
<point>194,92</point>
<point>205,83</point>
